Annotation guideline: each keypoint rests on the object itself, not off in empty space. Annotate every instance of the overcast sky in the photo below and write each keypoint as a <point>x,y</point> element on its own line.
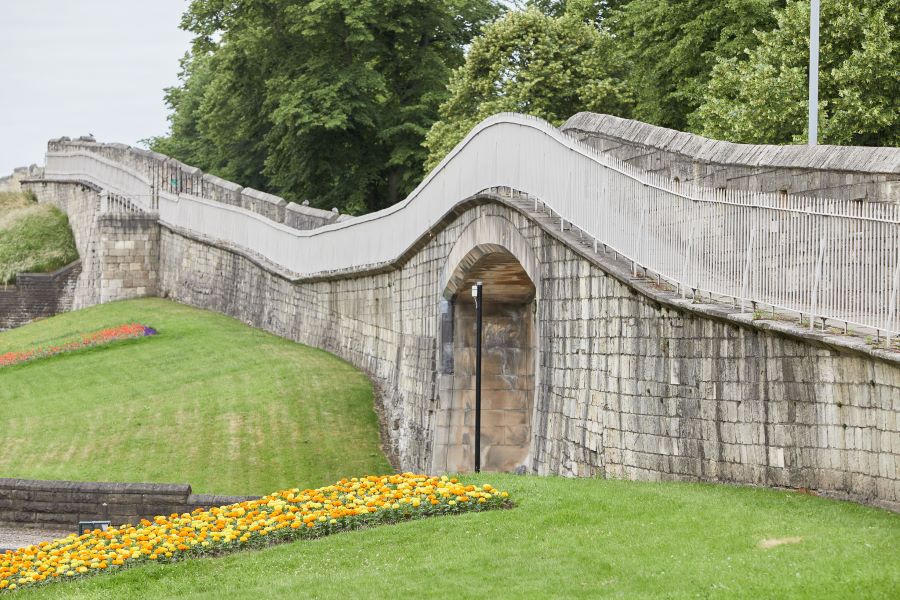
<point>72,67</point>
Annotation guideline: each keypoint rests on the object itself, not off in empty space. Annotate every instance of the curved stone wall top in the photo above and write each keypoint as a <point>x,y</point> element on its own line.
<point>862,159</point>
<point>694,237</point>
<point>841,172</point>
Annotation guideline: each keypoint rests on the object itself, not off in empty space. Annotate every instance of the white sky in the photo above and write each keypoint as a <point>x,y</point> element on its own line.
<point>72,67</point>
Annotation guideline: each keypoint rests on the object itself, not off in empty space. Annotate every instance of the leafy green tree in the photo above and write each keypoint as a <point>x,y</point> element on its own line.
<point>589,10</point>
<point>528,62</point>
<point>764,98</point>
<point>322,99</point>
<point>672,45</point>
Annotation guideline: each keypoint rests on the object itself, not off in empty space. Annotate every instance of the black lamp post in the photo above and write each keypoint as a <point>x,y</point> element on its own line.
<point>477,294</point>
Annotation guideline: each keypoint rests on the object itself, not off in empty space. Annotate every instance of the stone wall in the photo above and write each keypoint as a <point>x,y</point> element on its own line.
<point>129,255</point>
<point>13,182</point>
<point>630,380</point>
<point>840,172</point>
<point>62,504</point>
<point>119,250</point>
<point>626,379</point>
<point>81,203</point>
<point>36,295</point>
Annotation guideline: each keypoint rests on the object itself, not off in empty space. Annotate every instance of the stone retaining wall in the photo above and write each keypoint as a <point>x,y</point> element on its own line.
<point>36,295</point>
<point>61,504</point>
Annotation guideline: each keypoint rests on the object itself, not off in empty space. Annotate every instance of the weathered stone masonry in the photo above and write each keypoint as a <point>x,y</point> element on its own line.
<point>629,385</point>
<point>590,371</point>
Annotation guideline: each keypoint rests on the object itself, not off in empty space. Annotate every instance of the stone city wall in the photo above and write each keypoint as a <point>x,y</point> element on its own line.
<point>129,255</point>
<point>630,382</point>
<point>81,203</point>
<point>839,172</point>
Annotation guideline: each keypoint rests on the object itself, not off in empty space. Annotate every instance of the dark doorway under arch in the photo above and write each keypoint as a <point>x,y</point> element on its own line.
<point>508,367</point>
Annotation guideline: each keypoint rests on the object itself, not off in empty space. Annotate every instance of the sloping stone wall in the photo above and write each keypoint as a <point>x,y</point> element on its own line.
<point>630,380</point>
<point>839,172</point>
<point>81,203</point>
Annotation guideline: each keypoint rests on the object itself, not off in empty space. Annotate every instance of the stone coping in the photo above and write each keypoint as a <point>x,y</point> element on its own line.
<point>862,159</point>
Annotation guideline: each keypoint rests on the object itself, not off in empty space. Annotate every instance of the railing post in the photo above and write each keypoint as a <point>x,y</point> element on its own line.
<point>814,306</point>
<point>687,260</point>
<point>892,306</point>
<point>745,276</point>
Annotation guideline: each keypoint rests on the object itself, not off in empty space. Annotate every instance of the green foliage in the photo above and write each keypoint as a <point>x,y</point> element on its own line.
<point>588,10</point>
<point>671,48</point>
<point>566,538</point>
<point>209,401</point>
<point>528,62</point>
<point>763,99</point>
<point>34,238</point>
<point>321,99</point>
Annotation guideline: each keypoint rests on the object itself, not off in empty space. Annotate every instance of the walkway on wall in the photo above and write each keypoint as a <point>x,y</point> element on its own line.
<point>827,261</point>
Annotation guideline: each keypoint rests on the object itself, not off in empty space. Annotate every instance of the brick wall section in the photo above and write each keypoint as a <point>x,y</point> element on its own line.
<point>61,504</point>
<point>632,382</point>
<point>840,172</point>
<point>38,295</point>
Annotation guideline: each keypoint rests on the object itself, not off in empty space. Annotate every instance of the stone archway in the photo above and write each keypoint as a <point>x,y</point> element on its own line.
<point>493,251</point>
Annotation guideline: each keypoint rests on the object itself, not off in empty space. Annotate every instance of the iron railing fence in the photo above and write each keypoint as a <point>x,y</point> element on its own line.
<point>828,261</point>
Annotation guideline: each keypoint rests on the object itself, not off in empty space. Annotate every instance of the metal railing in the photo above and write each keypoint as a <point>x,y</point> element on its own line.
<point>827,261</point>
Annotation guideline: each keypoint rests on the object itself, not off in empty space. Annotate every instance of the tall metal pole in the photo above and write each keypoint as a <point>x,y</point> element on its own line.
<point>476,292</point>
<point>813,132</point>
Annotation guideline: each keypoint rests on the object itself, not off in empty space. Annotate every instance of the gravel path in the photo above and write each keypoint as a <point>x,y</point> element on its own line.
<point>11,538</point>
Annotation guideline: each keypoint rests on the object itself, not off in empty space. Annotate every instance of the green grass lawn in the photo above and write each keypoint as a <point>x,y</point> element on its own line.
<point>34,238</point>
<point>566,539</point>
<point>209,401</point>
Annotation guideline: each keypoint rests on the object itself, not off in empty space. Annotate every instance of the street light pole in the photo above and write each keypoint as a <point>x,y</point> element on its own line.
<point>477,294</point>
<point>813,127</point>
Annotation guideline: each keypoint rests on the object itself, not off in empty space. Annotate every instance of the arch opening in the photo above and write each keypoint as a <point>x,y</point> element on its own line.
<point>508,364</point>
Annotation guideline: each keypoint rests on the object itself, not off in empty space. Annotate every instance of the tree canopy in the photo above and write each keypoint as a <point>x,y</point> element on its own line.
<point>529,62</point>
<point>345,102</point>
<point>328,100</point>
<point>671,48</point>
<point>763,98</point>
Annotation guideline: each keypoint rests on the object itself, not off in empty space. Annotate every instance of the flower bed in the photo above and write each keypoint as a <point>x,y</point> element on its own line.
<point>97,338</point>
<point>282,516</point>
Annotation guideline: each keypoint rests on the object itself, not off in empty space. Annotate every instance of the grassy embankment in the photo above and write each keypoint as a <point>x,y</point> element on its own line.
<point>209,401</point>
<point>34,238</point>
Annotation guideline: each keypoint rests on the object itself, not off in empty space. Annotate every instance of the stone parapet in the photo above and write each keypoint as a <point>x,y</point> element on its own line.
<point>838,172</point>
<point>268,205</point>
<point>300,216</point>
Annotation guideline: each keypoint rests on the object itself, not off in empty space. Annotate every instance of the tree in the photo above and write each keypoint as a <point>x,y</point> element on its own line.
<point>671,47</point>
<point>322,99</point>
<point>764,98</point>
<point>528,62</point>
<point>588,10</point>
